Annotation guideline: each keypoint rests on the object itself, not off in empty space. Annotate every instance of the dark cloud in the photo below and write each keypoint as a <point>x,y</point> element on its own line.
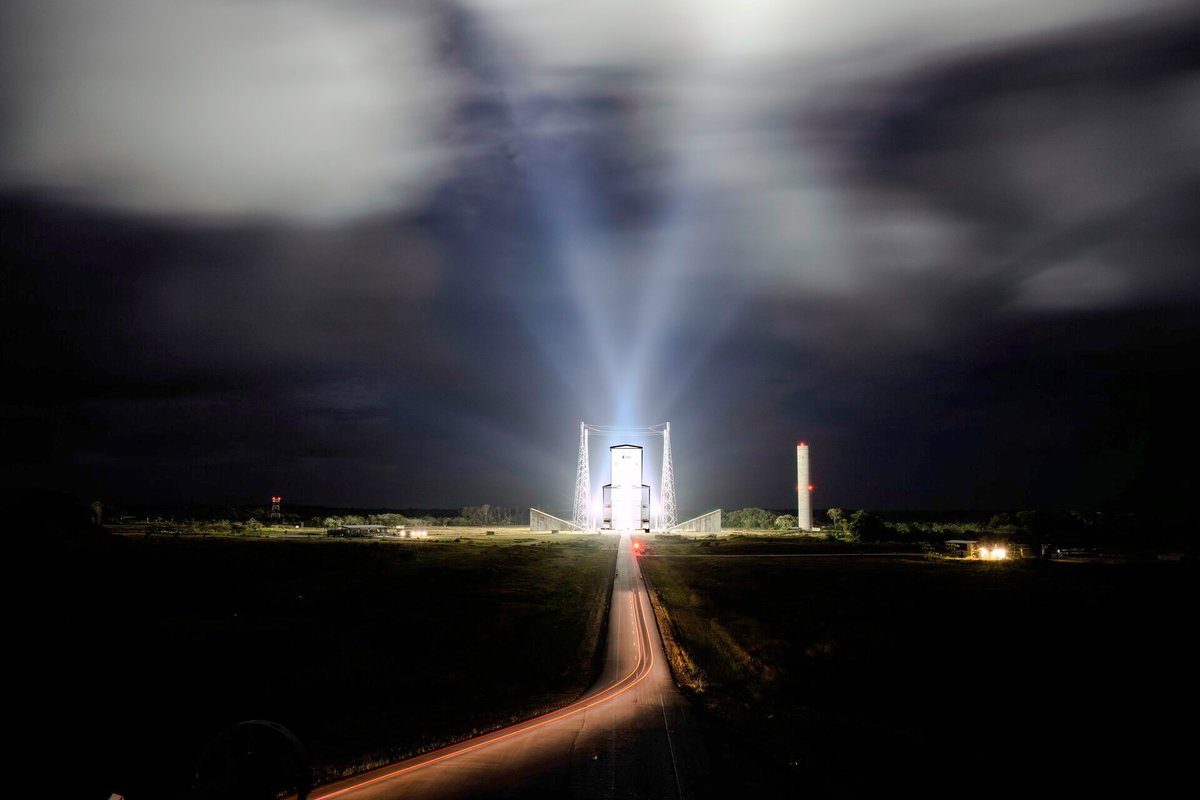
<point>965,275</point>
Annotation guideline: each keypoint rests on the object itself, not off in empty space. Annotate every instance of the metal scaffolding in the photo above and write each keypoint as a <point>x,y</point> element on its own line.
<point>667,516</point>
<point>582,514</point>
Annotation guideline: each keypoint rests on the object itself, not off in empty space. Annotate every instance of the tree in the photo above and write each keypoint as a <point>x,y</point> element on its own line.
<point>1000,521</point>
<point>785,522</point>
<point>865,526</point>
<point>841,526</point>
<point>748,518</point>
<point>394,520</point>
<point>97,511</point>
<point>1030,519</point>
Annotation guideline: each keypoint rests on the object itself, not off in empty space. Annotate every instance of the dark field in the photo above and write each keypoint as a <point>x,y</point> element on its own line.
<point>873,676</point>
<point>367,651</point>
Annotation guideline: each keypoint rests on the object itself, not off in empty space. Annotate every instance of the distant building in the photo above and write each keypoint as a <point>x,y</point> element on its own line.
<point>986,551</point>
<point>963,548</point>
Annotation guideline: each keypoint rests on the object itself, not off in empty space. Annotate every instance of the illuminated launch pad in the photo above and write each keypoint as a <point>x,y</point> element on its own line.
<point>625,503</point>
<point>626,499</point>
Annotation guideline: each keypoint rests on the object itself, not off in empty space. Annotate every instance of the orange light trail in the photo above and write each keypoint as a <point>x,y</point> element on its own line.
<point>544,719</point>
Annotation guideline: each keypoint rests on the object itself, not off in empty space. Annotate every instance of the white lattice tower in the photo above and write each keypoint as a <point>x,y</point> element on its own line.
<point>668,517</point>
<point>582,514</point>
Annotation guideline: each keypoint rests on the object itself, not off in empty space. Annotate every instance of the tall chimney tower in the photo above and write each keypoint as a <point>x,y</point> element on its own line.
<point>803,488</point>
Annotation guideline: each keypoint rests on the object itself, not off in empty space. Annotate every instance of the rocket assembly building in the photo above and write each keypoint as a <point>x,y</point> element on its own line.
<point>626,499</point>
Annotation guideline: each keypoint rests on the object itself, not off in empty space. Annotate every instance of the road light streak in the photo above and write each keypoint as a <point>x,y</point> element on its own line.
<point>533,723</point>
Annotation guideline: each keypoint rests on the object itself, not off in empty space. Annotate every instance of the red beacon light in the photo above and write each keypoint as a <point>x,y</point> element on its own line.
<point>810,487</point>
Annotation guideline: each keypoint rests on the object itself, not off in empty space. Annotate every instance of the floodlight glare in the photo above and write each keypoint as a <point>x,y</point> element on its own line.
<point>626,499</point>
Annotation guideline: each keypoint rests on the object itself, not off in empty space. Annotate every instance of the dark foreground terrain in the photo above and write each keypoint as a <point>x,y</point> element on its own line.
<point>367,651</point>
<point>870,676</point>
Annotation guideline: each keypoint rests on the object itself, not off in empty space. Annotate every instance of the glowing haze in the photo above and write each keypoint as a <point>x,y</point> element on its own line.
<point>390,253</point>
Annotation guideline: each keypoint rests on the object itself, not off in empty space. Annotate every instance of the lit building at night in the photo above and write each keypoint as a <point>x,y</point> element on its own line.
<point>626,499</point>
<point>624,503</point>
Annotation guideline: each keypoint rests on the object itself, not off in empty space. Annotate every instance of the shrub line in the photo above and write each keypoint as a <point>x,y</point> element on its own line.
<point>683,667</point>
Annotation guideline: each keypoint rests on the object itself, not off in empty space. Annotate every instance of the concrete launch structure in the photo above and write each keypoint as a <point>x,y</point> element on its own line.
<point>803,489</point>
<point>705,523</point>
<point>583,517</point>
<point>626,499</point>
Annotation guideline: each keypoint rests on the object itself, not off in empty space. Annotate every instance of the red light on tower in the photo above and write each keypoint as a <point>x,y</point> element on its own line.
<point>276,500</point>
<point>803,498</point>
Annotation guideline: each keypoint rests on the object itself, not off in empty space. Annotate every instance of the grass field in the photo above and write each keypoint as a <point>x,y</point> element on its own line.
<point>366,650</point>
<point>498,533</point>
<point>871,676</point>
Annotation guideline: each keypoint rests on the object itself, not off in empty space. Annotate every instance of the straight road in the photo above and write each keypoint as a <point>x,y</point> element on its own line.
<point>632,735</point>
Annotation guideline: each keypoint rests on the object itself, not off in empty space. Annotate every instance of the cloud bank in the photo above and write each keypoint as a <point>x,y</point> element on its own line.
<point>958,232</point>
<point>295,109</point>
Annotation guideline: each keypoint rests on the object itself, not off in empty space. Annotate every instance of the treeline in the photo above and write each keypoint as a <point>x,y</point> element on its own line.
<point>1019,526</point>
<point>858,526</point>
<point>468,516</point>
<point>757,518</point>
<point>252,518</point>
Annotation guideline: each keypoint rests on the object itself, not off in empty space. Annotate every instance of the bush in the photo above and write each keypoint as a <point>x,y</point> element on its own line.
<point>867,527</point>
<point>748,518</point>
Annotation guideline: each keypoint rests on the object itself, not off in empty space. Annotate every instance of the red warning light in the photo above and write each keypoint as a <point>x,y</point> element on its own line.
<point>276,499</point>
<point>810,487</point>
<point>802,444</point>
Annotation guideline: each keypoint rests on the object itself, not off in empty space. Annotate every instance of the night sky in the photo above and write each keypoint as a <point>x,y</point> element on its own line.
<point>389,254</point>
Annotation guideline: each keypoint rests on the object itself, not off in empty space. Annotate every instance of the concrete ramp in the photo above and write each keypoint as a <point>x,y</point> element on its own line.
<point>705,523</point>
<point>541,521</point>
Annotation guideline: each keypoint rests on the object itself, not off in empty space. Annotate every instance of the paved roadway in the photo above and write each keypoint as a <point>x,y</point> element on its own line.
<point>632,735</point>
